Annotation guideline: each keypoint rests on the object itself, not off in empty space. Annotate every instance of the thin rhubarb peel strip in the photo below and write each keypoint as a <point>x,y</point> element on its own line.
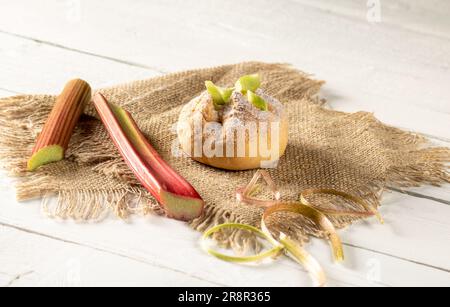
<point>252,183</point>
<point>314,215</point>
<point>274,251</point>
<point>272,186</point>
<point>244,198</point>
<point>52,142</point>
<point>299,254</point>
<point>371,211</point>
<point>284,243</point>
<point>244,194</point>
<point>178,198</point>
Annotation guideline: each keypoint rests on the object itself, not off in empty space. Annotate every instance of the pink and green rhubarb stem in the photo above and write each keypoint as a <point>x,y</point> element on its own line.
<point>178,198</point>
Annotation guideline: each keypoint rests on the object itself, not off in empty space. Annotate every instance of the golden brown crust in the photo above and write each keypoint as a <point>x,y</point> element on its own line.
<point>218,137</point>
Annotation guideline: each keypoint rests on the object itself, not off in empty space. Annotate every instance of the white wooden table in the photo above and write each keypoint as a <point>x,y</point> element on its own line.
<point>398,68</point>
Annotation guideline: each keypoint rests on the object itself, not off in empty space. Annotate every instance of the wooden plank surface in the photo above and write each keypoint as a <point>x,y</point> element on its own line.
<point>392,247</point>
<point>398,69</point>
<point>48,262</point>
<point>429,17</point>
<point>48,68</point>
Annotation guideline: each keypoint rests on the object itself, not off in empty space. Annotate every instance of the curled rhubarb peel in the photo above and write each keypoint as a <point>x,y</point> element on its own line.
<point>243,198</point>
<point>178,198</point>
<point>314,215</point>
<point>284,243</point>
<point>371,211</point>
<point>54,138</point>
<point>299,254</point>
<point>273,252</point>
<point>244,194</point>
<point>272,186</point>
<point>305,259</point>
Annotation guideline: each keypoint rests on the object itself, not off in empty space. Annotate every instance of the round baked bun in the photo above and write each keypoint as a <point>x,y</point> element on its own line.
<point>238,135</point>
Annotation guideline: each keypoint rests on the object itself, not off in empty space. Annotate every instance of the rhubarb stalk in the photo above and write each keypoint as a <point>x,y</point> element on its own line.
<point>178,198</point>
<point>53,141</point>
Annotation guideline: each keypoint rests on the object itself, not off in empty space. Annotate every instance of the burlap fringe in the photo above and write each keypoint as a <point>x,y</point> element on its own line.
<point>86,205</point>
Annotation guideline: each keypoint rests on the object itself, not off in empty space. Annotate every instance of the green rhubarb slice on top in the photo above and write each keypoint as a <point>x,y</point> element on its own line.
<point>226,93</point>
<point>257,101</point>
<point>220,95</point>
<point>46,155</point>
<point>248,83</point>
<point>213,90</point>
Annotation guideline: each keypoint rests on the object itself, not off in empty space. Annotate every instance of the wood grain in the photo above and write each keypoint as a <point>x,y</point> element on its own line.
<point>47,262</point>
<point>428,17</point>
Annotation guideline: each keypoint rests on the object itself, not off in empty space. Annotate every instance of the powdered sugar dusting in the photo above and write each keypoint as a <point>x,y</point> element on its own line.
<point>238,113</point>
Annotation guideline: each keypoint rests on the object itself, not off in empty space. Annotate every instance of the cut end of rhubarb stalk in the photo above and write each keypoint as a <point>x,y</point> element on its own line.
<point>180,207</point>
<point>54,138</point>
<point>46,155</point>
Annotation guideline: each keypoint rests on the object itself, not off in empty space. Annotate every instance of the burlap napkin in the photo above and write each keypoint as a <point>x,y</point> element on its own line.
<point>354,153</point>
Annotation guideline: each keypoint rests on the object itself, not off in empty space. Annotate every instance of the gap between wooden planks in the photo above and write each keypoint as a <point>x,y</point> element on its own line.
<point>45,261</point>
